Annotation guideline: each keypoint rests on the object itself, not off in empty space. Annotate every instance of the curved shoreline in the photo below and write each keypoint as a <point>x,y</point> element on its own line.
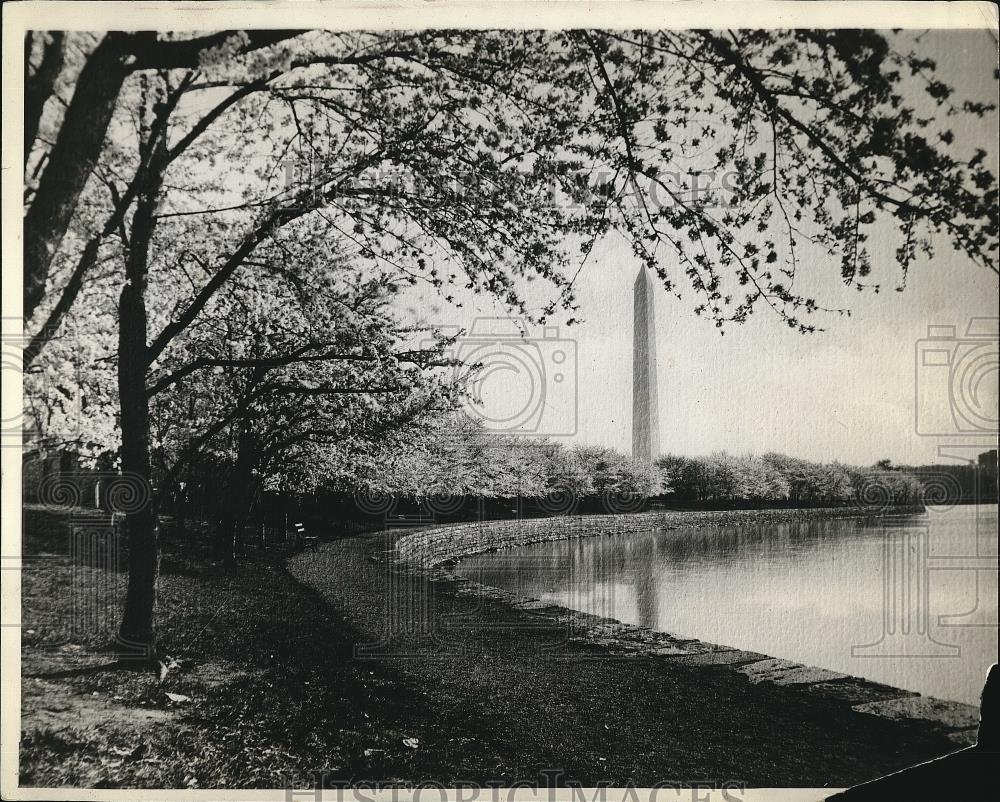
<point>433,550</point>
<point>431,546</point>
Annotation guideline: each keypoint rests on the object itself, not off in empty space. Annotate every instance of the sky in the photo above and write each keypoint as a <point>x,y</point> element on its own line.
<point>856,392</point>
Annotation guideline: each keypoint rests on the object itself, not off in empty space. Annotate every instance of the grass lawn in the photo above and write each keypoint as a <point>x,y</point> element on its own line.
<point>273,692</point>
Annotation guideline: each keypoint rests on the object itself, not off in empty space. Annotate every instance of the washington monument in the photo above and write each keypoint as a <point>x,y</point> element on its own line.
<point>645,409</point>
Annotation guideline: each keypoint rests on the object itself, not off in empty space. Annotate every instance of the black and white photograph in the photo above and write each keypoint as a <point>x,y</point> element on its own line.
<point>502,400</point>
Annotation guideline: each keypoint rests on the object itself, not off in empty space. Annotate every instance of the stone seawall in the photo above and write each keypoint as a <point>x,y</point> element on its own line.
<point>425,548</point>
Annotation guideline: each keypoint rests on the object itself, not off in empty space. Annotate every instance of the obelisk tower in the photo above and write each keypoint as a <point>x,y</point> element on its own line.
<point>645,407</point>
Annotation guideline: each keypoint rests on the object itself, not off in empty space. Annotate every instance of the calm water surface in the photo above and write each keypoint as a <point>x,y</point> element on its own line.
<point>910,601</point>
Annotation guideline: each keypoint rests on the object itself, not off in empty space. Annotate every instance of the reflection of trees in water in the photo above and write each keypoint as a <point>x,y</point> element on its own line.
<point>615,575</point>
<point>608,567</point>
<point>610,557</point>
<point>647,595</point>
<point>637,562</point>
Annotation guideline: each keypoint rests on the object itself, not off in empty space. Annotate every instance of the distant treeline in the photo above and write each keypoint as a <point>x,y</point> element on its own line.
<point>466,461</point>
<point>956,484</point>
<point>777,477</point>
<point>723,477</point>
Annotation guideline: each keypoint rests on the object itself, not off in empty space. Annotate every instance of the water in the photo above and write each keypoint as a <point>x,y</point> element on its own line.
<point>910,601</point>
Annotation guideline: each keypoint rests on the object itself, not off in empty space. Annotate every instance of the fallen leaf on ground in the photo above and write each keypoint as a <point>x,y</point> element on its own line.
<point>177,697</point>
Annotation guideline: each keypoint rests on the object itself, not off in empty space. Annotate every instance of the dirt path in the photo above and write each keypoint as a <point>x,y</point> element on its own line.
<point>513,704</point>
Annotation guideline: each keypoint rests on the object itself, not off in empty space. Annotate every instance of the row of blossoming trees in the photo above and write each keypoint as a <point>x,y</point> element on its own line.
<point>216,222</point>
<point>462,459</point>
<point>723,477</point>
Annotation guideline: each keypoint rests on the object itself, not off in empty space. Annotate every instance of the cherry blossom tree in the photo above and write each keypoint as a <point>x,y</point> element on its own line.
<point>162,168</point>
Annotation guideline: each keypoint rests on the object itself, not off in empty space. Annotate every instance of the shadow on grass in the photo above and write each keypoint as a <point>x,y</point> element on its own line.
<point>83,671</point>
<point>264,669</point>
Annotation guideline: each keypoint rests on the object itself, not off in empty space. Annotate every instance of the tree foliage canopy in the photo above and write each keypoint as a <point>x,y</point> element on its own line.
<point>481,157</point>
<point>221,218</point>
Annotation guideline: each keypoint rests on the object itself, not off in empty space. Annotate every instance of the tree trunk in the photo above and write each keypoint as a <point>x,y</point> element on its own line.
<point>225,536</point>
<point>71,161</point>
<point>137,634</point>
<point>181,510</point>
<point>229,539</point>
<point>39,85</point>
<point>238,502</point>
